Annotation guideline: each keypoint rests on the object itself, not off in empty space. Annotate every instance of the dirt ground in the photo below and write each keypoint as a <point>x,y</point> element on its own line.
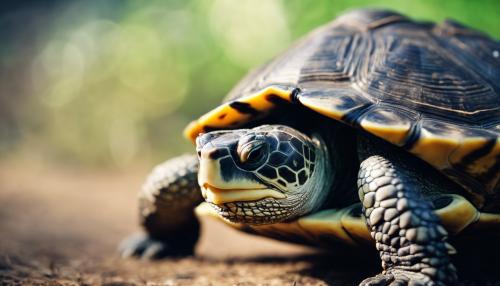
<point>62,228</point>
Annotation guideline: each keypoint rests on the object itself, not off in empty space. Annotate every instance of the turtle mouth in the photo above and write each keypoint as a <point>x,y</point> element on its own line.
<point>219,196</point>
<point>264,211</point>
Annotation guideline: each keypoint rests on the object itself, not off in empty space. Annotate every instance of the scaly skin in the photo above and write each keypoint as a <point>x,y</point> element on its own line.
<point>408,233</point>
<point>166,204</point>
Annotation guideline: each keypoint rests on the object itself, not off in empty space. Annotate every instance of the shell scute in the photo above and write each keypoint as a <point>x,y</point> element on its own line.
<point>436,142</point>
<point>334,103</point>
<point>416,71</point>
<point>390,123</point>
<point>331,63</point>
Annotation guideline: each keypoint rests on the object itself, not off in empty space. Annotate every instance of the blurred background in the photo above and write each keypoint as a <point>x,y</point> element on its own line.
<point>94,93</point>
<point>111,84</point>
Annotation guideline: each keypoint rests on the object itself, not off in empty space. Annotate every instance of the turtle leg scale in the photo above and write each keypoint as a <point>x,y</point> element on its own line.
<point>408,234</point>
<point>166,203</point>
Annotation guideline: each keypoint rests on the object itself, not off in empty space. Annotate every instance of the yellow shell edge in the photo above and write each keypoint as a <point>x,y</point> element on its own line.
<point>395,134</point>
<point>225,116</point>
<point>458,215</point>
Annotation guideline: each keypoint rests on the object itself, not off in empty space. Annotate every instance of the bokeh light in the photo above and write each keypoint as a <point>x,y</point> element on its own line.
<point>248,32</point>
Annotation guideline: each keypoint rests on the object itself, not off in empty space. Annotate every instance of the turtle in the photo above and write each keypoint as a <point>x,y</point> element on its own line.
<point>374,130</point>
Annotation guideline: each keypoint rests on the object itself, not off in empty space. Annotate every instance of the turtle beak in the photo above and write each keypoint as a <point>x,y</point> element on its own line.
<point>221,180</point>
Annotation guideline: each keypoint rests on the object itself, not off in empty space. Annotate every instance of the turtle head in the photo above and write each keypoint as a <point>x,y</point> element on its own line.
<point>267,174</point>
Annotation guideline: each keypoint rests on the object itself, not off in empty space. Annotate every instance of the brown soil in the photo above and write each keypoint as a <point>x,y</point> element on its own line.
<point>62,228</point>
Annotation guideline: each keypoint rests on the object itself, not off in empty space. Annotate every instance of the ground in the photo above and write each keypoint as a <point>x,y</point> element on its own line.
<point>62,226</point>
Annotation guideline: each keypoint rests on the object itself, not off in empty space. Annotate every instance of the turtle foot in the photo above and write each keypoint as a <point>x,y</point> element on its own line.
<point>400,278</point>
<point>145,247</point>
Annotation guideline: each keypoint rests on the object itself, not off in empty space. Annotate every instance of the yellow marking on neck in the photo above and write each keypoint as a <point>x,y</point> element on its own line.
<point>224,116</point>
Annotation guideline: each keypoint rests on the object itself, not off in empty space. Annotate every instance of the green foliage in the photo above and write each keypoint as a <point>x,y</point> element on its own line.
<point>115,82</point>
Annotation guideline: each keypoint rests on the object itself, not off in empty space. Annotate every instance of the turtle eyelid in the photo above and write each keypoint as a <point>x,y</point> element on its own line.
<point>252,152</point>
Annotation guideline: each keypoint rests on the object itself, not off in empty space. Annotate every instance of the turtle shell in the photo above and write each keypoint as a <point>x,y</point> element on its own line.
<point>431,89</point>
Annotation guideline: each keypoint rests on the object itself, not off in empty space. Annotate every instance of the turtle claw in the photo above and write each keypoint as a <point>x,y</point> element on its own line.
<point>145,247</point>
<point>399,278</point>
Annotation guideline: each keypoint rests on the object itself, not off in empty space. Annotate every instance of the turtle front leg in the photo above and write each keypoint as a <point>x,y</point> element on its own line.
<point>166,203</point>
<point>408,233</point>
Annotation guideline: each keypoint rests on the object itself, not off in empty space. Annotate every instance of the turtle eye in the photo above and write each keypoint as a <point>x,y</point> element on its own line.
<point>252,153</point>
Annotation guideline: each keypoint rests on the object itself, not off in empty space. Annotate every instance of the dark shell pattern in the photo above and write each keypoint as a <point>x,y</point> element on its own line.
<point>432,89</point>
